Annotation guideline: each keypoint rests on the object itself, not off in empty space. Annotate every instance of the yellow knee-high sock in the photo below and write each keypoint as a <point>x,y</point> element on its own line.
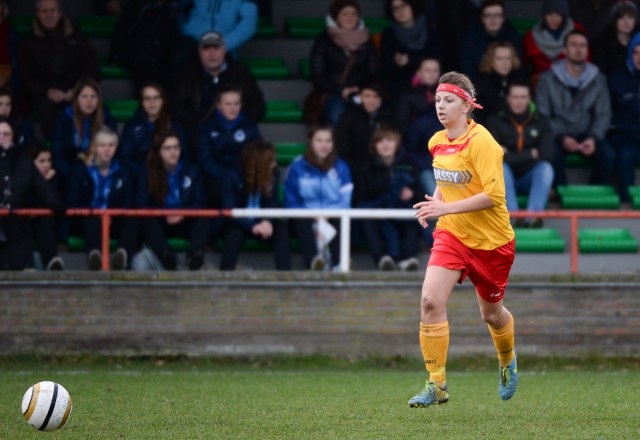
<point>503,339</point>
<point>434,342</point>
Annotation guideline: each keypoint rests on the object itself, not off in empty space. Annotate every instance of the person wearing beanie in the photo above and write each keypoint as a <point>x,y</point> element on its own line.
<point>343,58</point>
<point>610,49</point>
<point>543,44</point>
<point>595,15</point>
<point>624,86</point>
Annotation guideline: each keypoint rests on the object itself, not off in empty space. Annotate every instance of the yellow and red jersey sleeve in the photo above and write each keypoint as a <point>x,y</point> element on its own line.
<point>466,166</point>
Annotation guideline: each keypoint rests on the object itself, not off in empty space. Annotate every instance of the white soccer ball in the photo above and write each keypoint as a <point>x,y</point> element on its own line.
<point>46,406</point>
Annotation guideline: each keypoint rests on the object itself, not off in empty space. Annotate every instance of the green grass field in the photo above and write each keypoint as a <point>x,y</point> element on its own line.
<point>213,400</point>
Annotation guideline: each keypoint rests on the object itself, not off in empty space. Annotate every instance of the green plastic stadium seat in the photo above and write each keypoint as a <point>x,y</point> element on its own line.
<point>588,197</point>
<point>179,244</point>
<point>113,72</point>
<point>21,23</point>
<point>77,244</point>
<point>95,26</point>
<point>122,109</point>
<point>268,68</point>
<point>523,24</point>
<point>634,192</point>
<point>304,68</point>
<point>265,28</point>
<point>310,27</point>
<point>538,240</point>
<point>602,240</point>
<point>287,151</point>
<point>283,111</point>
<point>575,160</point>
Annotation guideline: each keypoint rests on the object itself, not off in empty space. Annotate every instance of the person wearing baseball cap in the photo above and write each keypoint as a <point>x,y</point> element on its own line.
<point>198,83</point>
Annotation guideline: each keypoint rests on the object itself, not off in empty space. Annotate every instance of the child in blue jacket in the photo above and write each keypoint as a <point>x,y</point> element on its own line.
<point>318,180</point>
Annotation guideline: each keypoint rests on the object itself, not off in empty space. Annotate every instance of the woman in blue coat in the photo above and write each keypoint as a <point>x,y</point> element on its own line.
<point>258,189</point>
<point>171,182</point>
<point>221,138</point>
<point>100,182</point>
<point>152,117</point>
<point>318,180</point>
<point>76,126</point>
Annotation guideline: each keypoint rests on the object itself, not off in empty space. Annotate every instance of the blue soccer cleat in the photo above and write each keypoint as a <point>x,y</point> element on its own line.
<point>508,383</point>
<point>432,394</point>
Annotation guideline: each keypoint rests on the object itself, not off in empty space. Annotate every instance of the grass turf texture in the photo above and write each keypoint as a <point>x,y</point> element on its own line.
<point>325,399</point>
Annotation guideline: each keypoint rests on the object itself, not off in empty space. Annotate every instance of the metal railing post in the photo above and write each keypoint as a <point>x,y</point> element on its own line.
<point>106,223</point>
<point>574,244</point>
<point>345,243</point>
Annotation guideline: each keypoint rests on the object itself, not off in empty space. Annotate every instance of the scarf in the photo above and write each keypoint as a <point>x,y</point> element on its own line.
<point>349,40</point>
<point>549,44</point>
<point>588,75</point>
<point>172,200</point>
<point>101,185</point>
<point>414,37</point>
<point>81,143</point>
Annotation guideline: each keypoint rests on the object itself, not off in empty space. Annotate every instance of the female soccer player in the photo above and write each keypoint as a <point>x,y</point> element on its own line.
<point>473,237</point>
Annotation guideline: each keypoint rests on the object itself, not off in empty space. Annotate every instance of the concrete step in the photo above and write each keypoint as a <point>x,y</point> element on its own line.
<point>284,132</point>
<point>285,90</point>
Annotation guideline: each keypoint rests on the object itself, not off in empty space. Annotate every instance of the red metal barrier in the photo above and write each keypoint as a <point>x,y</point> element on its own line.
<point>572,215</point>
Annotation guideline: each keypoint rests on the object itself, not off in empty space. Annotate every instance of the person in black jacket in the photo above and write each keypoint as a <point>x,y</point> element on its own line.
<point>142,40</point>
<point>44,227</point>
<point>610,49</point>
<point>197,87</point>
<point>526,139</point>
<point>357,124</point>
<point>153,116</point>
<point>25,133</point>
<point>416,112</point>
<point>171,182</point>
<point>101,183</point>
<point>390,182</point>
<point>20,183</point>
<point>407,41</point>
<point>52,58</point>
<point>343,58</point>
<point>257,189</point>
<point>500,66</point>
<point>492,26</point>
<point>221,137</point>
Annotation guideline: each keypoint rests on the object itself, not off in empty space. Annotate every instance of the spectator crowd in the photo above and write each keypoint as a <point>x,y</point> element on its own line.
<point>569,85</point>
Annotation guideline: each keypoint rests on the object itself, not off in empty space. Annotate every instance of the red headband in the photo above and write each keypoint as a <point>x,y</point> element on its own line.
<point>458,92</point>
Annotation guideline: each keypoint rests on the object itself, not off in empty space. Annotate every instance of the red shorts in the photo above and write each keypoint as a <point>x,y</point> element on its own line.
<point>487,270</point>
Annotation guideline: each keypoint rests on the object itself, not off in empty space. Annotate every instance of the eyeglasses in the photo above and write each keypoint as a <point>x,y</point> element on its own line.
<point>493,16</point>
<point>6,133</point>
<point>170,148</point>
<point>152,98</point>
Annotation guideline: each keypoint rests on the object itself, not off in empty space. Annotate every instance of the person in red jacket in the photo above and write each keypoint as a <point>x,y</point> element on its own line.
<point>543,44</point>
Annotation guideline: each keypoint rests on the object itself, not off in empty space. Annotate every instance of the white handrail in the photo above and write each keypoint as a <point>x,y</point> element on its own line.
<point>345,216</point>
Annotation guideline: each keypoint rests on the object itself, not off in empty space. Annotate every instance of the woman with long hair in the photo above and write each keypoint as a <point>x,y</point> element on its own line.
<point>25,134</point>
<point>153,116</point>
<point>171,182</point>
<point>318,180</point>
<point>258,189</point>
<point>77,124</point>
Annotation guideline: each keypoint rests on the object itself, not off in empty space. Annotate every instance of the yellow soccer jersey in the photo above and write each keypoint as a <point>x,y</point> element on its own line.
<point>469,165</point>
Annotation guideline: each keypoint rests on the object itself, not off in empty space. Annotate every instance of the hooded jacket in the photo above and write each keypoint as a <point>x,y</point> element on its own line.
<point>624,85</point>
<point>236,20</point>
<point>574,107</point>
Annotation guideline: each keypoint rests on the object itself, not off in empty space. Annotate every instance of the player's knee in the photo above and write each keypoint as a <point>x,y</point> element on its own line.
<point>490,317</point>
<point>429,304</point>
